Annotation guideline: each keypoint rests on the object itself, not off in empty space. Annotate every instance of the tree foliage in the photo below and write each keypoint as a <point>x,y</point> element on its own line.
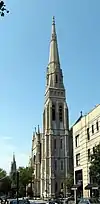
<point>95,164</point>
<point>25,177</point>
<point>3,8</point>
<point>69,181</point>
<point>5,185</point>
<point>5,182</point>
<point>2,173</point>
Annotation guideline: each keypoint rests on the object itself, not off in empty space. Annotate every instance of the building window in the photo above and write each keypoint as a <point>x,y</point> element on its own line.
<point>77,159</point>
<point>34,158</point>
<point>61,143</point>
<point>93,150</point>
<point>40,152</point>
<point>54,143</point>
<point>47,79</point>
<point>97,125</point>
<point>60,113</point>
<point>77,141</point>
<point>56,78</point>
<point>62,185</point>
<point>62,165</point>
<point>56,187</point>
<point>55,164</point>
<point>92,129</point>
<point>89,155</point>
<point>47,116</point>
<point>88,134</point>
<point>44,119</point>
<point>53,113</point>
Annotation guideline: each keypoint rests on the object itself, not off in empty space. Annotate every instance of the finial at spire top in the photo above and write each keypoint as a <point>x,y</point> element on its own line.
<point>81,113</point>
<point>54,55</point>
<point>53,20</point>
<point>35,129</point>
<point>38,129</point>
<point>13,156</point>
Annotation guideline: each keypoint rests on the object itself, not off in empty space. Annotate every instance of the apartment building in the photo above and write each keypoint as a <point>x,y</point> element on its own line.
<point>86,135</point>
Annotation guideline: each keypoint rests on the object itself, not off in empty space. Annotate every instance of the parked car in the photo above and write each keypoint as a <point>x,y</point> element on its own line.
<point>24,201</point>
<point>88,201</point>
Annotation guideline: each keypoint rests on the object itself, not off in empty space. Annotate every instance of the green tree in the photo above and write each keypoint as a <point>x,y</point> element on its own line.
<point>95,165</point>
<point>5,185</point>
<point>25,177</point>
<point>3,8</point>
<point>2,173</point>
<point>69,181</point>
<point>5,182</point>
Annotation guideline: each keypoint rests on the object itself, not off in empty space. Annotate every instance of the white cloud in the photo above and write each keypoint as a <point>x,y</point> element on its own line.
<point>6,138</point>
<point>7,148</point>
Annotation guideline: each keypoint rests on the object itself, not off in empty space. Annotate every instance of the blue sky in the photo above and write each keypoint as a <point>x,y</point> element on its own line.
<point>24,50</point>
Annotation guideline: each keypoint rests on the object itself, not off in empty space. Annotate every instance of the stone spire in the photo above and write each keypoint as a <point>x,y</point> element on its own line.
<point>13,165</point>
<point>54,77</point>
<point>53,55</point>
<point>38,129</point>
<point>14,158</point>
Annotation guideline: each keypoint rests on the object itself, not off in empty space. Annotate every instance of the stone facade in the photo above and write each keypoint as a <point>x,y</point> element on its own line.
<point>86,134</point>
<point>52,149</point>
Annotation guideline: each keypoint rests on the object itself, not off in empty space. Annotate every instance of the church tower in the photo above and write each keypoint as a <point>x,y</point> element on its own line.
<point>55,152</point>
<point>13,165</point>
<point>13,172</point>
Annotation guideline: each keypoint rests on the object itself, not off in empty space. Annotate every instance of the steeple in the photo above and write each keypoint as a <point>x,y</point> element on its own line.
<point>54,72</point>
<point>38,130</point>
<point>53,55</point>
<point>55,129</point>
<point>13,165</point>
<point>14,158</point>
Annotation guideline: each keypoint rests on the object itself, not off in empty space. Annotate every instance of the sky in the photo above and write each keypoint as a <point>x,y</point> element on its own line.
<point>24,51</point>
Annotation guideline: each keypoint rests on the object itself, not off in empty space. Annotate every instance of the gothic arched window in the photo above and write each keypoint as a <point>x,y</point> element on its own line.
<point>54,143</point>
<point>62,165</point>
<point>55,164</point>
<point>53,113</point>
<point>44,119</point>
<point>56,186</point>
<point>34,158</point>
<point>47,79</point>
<point>60,113</point>
<point>61,185</point>
<point>56,78</point>
<point>61,143</point>
<point>47,116</point>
